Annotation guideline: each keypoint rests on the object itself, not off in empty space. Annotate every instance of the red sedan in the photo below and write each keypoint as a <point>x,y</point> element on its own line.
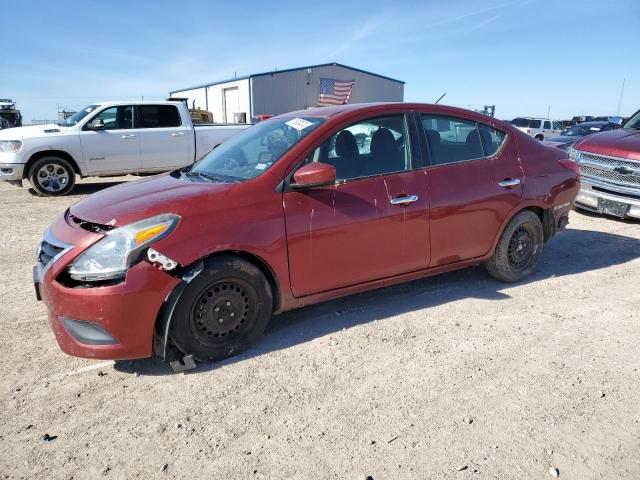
<point>301,208</point>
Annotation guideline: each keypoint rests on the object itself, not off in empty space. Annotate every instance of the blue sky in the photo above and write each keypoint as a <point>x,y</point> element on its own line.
<point>524,56</point>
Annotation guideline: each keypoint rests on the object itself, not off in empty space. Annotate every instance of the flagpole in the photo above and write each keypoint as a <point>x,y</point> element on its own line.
<point>621,92</point>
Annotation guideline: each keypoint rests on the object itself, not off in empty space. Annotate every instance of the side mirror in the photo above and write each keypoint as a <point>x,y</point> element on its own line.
<point>95,124</point>
<point>314,175</point>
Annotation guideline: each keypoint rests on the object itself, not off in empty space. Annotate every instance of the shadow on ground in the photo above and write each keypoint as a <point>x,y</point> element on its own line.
<point>82,189</point>
<point>570,252</point>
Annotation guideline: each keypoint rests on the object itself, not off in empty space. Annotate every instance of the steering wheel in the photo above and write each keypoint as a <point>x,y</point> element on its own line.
<point>231,163</point>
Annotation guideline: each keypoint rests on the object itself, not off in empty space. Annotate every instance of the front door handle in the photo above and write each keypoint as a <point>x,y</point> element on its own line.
<point>129,135</point>
<point>404,200</point>
<point>509,182</point>
<point>177,134</point>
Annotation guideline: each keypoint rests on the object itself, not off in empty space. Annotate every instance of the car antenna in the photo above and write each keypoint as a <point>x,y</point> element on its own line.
<point>441,97</point>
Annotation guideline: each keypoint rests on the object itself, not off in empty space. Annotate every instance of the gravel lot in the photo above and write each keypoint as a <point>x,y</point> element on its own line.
<point>457,376</point>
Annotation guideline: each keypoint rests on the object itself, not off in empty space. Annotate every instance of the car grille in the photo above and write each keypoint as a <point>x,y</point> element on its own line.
<point>602,168</point>
<point>47,252</point>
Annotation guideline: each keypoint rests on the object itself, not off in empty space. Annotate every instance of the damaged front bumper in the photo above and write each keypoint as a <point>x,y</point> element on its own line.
<point>112,321</point>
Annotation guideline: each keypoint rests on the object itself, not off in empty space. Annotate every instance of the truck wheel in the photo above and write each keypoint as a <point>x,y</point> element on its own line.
<point>519,248</point>
<point>223,311</point>
<point>539,137</point>
<point>52,176</point>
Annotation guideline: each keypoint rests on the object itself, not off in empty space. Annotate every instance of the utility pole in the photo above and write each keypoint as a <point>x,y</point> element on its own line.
<point>621,92</point>
<point>548,112</point>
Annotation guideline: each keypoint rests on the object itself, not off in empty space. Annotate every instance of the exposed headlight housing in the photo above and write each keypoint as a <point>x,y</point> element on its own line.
<point>10,146</point>
<point>572,153</point>
<point>112,256</point>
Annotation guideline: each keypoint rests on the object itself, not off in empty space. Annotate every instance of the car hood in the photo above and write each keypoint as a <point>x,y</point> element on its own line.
<point>622,142</point>
<point>33,131</point>
<point>133,201</point>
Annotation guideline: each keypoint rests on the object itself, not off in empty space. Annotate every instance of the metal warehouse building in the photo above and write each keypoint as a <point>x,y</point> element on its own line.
<point>240,99</point>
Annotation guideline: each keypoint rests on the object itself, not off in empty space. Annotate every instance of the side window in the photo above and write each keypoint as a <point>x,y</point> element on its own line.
<point>159,116</point>
<point>547,125</point>
<point>492,139</point>
<point>372,147</point>
<point>116,118</point>
<point>451,139</point>
<point>535,124</point>
<point>557,126</point>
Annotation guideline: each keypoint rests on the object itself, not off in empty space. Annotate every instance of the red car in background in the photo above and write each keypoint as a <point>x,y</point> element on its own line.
<point>301,208</point>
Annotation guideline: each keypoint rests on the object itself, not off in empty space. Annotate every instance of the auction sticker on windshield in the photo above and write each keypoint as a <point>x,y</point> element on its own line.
<point>298,123</point>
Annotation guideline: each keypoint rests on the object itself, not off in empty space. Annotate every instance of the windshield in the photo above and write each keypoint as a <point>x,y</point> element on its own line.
<point>248,154</point>
<point>521,122</point>
<point>73,120</point>
<point>634,122</point>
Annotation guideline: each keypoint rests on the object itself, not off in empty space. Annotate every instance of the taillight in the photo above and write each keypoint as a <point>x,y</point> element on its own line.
<point>570,165</point>
<point>528,130</point>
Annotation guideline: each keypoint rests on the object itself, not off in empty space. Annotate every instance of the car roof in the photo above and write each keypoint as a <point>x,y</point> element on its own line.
<point>136,102</point>
<point>326,112</point>
<point>596,123</point>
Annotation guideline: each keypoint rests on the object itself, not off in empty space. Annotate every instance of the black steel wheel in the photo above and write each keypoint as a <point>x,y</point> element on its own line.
<point>223,311</point>
<point>51,176</point>
<point>519,248</point>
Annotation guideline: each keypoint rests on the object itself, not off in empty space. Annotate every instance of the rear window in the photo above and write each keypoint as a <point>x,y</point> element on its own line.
<point>535,123</point>
<point>492,139</point>
<point>451,139</point>
<point>159,116</point>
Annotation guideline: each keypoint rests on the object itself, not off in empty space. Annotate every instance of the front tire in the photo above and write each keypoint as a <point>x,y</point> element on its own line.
<point>52,176</point>
<point>519,249</point>
<point>223,311</point>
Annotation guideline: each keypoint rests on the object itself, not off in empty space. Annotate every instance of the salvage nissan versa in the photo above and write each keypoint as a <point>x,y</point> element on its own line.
<point>304,207</point>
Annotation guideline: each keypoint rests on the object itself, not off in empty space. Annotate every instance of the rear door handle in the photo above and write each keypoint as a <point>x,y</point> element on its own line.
<point>509,182</point>
<point>177,134</point>
<point>129,135</point>
<point>404,200</point>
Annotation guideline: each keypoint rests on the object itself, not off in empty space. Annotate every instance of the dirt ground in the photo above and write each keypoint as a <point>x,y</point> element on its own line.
<point>457,376</point>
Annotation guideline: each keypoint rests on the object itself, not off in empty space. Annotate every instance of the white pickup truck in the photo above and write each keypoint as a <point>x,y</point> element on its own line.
<point>106,139</point>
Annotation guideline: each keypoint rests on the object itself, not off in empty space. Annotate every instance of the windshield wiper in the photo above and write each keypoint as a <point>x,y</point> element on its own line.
<point>208,176</point>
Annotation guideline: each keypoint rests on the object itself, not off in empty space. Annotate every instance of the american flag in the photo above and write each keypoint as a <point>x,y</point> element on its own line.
<point>334,92</point>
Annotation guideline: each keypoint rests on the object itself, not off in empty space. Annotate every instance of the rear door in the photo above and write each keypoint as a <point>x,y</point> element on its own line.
<point>166,143</point>
<point>475,179</point>
<point>114,147</point>
<point>374,223</point>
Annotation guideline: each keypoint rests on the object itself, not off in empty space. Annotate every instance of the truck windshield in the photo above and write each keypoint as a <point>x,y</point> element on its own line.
<point>74,119</point>
<point>634,122</point>
<point>248,154</point>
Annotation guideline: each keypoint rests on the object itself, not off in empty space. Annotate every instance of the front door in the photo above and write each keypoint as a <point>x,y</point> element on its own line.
<point>115,145</point>
<point>374,223</point>
<point>166,143</point>
<point>475,180</point>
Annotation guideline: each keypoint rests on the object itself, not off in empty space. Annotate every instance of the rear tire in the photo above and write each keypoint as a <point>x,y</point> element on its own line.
<point>518,251</point>
<point>52,176</point>
<point>539,137</point>
<point>223,311</point>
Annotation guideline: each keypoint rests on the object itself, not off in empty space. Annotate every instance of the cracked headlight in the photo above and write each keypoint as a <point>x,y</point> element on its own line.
<point>10,146</point>
<point>112,256</point>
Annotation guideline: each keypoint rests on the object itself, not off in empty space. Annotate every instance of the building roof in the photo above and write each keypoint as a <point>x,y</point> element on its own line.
<point>274,72</point>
